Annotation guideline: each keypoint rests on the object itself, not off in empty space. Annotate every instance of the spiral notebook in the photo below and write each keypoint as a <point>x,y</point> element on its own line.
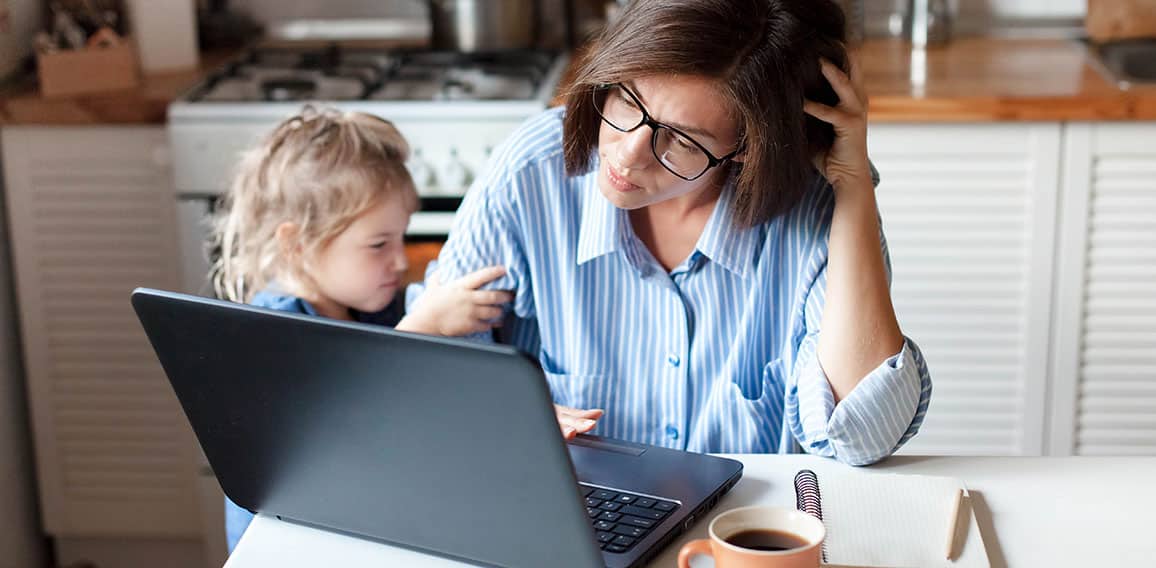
<point>891,520</point>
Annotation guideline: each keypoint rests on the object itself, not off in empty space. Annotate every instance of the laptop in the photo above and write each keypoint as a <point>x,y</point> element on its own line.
<point>434,444</point>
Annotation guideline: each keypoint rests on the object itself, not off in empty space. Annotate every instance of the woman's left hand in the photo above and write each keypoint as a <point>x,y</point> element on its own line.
<point>574,421</point>
<point>845,165</point>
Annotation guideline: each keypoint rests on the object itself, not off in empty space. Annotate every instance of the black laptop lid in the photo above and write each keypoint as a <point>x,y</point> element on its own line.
<point>456,451</point>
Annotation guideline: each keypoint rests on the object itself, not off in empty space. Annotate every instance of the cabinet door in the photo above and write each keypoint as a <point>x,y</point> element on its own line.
<point>92,217</point>
<point>969,214</point>
<point>1104,360</point>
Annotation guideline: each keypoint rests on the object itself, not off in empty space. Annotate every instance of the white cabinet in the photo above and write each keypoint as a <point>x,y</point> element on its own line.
<point>1024,261</point>
<point>1104,346</point>
<point>969,213</point>
<point>91,212</point>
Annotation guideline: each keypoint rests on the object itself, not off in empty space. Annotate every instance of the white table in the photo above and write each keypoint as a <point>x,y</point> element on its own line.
<point>1052,512</point>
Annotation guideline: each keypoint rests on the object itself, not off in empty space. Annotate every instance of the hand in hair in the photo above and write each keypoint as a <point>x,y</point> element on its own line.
<point>845,165</point>
<point>458,307</point>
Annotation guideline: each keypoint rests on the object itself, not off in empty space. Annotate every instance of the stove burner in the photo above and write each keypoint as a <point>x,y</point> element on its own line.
<point>454,89</point>
<point>322,60</point>
<point>288,89</point>
<point>336,74</point>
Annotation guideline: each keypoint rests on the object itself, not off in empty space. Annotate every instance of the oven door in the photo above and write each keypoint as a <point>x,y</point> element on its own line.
<point>193,217</point>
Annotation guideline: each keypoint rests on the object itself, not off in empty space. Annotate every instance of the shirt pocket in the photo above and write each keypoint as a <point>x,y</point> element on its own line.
<point>748,412</point>
<point>756,386</point>
<point>577,390</point>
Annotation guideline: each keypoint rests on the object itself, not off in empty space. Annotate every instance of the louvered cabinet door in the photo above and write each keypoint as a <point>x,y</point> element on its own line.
<point>1104,397</point>
<point>91,216</point>
<point>969,214</point>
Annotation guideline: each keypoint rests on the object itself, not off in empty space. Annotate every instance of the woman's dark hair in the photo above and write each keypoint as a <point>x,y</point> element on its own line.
<point>764,55</point>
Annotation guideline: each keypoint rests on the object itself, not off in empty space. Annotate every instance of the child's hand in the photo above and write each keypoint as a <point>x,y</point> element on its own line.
<point>458,307</point>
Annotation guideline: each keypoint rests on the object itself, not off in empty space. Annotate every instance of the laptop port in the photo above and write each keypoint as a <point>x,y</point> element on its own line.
<point>689,522</point>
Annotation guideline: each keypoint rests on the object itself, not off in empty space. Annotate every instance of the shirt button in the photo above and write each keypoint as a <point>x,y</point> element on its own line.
<point>672,432</point>
<point>673,360</point>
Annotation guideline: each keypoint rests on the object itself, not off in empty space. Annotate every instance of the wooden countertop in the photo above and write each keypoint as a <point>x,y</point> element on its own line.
<point>969,80</point>
<point>985,79</point>
<point>21,104</point>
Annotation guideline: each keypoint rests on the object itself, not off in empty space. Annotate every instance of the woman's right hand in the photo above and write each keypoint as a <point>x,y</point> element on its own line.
<point>458,307</point>
<point>573,421</point>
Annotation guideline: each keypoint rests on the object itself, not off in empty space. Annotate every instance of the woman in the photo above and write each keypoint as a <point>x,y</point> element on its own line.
<point>693,241</point>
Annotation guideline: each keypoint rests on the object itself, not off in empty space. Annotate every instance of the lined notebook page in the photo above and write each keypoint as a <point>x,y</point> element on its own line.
<point>896,520</point>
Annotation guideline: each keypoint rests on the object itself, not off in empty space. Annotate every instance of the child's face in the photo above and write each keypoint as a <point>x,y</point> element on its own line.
<point>362,267</point>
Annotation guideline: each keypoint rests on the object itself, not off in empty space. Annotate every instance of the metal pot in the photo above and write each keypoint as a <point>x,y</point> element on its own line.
<point>484,25</point>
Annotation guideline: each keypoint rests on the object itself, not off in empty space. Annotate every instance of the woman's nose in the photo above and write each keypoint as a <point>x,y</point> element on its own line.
<point>634,148</point>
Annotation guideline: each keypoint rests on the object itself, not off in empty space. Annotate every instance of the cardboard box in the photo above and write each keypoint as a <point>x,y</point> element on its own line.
<point>88,70</point>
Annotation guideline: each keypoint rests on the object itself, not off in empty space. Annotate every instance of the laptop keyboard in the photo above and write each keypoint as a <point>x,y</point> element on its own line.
<point>623,519</point>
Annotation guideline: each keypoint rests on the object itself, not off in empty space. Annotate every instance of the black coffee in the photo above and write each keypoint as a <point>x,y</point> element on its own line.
<point>761,539</point>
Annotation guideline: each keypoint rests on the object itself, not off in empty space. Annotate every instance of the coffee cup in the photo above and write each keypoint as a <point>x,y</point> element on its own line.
<point>760,537</point>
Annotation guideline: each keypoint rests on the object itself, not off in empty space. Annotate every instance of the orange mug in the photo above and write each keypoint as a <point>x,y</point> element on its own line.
<point>760,537</point>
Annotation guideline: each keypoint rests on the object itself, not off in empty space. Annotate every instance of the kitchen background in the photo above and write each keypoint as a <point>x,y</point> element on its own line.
<point>1018,195</point>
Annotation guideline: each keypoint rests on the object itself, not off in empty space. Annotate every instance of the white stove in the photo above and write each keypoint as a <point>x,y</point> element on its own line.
<point>453,108</point>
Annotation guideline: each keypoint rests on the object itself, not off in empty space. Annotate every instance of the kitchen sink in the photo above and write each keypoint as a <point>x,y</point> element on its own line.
<point>1127,62</point>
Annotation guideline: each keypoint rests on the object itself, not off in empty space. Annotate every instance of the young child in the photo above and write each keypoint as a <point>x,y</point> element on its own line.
<point>314,224</point>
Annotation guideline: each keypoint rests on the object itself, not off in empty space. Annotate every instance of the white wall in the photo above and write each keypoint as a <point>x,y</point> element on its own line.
<point>1027,8</point>
<point>977,16</point>
<point>273,10</point>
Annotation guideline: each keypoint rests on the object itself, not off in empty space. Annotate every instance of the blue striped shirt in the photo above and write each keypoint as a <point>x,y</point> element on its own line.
<point>717,355</point>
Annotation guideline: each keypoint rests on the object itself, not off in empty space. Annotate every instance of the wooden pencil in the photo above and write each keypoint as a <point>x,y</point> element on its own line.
<point>952,524</point>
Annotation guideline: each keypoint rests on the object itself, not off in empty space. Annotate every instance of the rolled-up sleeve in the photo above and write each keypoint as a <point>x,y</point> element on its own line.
<point>882,412</point>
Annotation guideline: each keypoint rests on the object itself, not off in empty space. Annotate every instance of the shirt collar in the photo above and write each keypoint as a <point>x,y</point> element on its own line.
<point>725,242</point>
<point>604,229</point>
<point>602,225</point>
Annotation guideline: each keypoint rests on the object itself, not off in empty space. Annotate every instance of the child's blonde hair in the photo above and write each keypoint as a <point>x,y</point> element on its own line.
<point>319,170</point>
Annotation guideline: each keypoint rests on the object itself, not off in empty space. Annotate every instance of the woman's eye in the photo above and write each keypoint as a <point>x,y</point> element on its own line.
<point>684,144</point>
<point>379,245</point>
<point>622,98</point>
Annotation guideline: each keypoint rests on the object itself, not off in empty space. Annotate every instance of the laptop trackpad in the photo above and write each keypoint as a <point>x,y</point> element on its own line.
<point>608,463</point>
<point>606,444</point>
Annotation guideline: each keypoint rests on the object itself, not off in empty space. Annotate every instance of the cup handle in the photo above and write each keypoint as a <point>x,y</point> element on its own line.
<point>692,549</point>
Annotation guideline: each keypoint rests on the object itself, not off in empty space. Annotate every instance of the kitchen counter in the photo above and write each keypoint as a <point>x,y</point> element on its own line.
<point>991,80</point>
<point>148,103</point>
<point>21,103</point>
<point>969,80</point>
<point>985,79</point>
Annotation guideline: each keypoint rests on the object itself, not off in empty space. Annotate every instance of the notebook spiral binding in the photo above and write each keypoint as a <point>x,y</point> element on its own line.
<point>808,499</point>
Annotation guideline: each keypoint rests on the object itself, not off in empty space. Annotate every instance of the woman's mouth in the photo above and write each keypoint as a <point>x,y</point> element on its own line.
<point>619,182</point>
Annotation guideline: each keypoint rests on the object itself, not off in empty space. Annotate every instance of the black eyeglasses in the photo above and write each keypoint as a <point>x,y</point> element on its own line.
<point>680,154</point>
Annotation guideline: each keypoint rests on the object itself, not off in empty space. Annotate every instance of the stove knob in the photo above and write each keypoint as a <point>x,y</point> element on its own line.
<point>456,177</point>
<point>421,172</point>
